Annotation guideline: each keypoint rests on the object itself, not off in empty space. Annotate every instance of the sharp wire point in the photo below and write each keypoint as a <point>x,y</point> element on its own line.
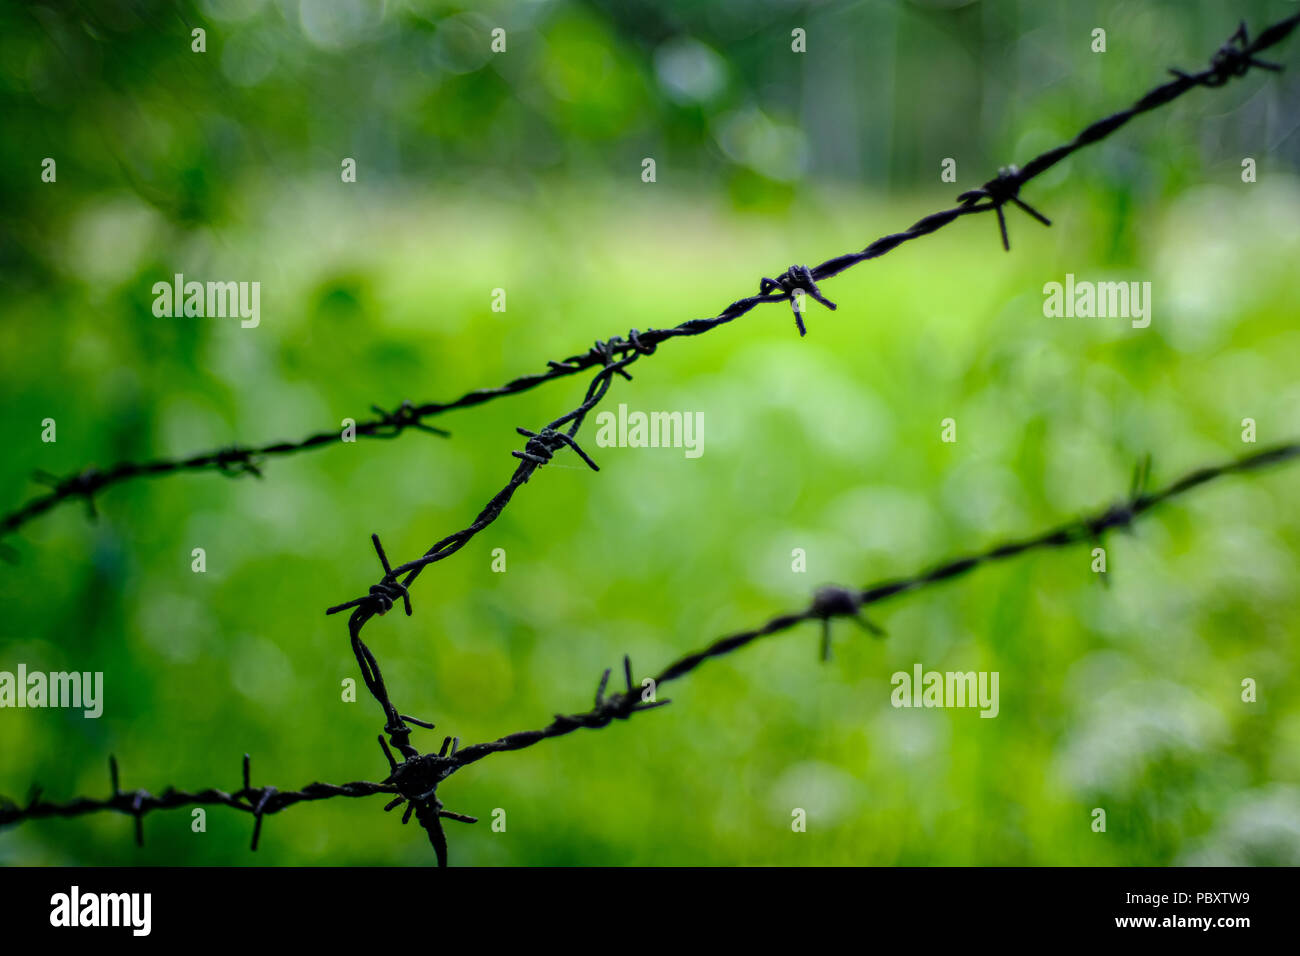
<point>414,779</point>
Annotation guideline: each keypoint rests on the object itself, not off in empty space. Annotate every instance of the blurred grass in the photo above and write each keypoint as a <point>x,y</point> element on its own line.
<point>1125,698</point>
<point>520,171</point>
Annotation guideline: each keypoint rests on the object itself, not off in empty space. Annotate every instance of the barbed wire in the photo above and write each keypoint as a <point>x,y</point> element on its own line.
<point>828,603</point>
<point>414,780</point>
<point>259,801</point>
<point>1234,58</point>
<point>833,601</point>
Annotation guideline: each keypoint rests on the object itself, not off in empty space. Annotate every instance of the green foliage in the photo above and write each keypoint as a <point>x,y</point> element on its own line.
<point>523,172</point>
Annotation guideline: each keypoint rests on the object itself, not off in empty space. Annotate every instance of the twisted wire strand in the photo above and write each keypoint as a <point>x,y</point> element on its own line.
<point>837,602</point>
<point>1234,59</point>
<point>415,778</point>
<point>258,801</point>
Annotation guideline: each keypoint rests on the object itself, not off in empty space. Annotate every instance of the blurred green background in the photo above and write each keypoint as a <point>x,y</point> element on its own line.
<point>522,171</point>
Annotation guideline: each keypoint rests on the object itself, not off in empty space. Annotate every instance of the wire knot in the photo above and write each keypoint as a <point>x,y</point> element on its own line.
<point>403,417</point>
<point>385,594</point>
<point>794,280</point>
<point>1234,58</point>
<point>84,484</point>
<point>382,596</point>
<point>416,781</point>
<point>634,337</point>
<point>1002,189</point>
<point>835,601</point>
<point>1122,514</point>
<point>543,445</point>
<point>257,806</point>
<point>617,706</point>
<point>235,461</point>
<point>604,351</point>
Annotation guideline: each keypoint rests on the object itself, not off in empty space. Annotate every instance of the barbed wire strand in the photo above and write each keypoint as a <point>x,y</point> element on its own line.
<point>418,775</point>
<point>834,601</point>
<point>414,780</point>
<point>259,801</point>
<point>1233,59</point>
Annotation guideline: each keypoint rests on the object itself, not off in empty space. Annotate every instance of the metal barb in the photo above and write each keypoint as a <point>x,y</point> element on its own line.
<point>542,446</point>
<point>1233,58</point>
<point>415,779</point>
<point>834,601</point>
<point>1003,189</point>
<point>382,596</point>
<point>403,417</point>
<point>794,280</point>
<point>828,602</point>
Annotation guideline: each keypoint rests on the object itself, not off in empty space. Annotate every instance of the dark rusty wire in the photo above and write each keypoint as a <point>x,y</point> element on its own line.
<point>841,602</point>
<point>415,778</point>
<point>258,801</point>
<point>827,604</point>
<point>1235,58</point>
